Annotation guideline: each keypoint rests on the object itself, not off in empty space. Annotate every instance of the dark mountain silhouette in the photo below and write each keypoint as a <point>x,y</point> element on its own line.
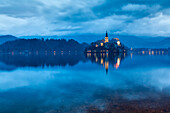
<point>6,38</point>
<point>37,45</point>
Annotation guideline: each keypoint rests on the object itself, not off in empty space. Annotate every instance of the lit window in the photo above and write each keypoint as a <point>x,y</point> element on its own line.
<point>118,43</point>
<point>101,44</point>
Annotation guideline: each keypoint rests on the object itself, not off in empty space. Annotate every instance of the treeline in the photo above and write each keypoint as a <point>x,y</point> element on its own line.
<point>42,45</point>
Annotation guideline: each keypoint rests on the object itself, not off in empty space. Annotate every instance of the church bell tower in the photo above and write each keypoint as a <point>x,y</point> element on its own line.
<point>106,38</point>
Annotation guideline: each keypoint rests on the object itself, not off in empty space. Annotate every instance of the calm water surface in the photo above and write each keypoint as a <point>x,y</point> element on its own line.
<point>83,83</point>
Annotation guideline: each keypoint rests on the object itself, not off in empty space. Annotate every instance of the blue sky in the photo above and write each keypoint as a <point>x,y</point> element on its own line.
<point>65,17</point>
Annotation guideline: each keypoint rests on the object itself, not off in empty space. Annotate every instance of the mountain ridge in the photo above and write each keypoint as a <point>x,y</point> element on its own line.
<point>6,38</point>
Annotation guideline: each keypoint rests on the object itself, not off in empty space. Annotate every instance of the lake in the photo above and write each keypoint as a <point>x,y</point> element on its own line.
<point>84,83</point>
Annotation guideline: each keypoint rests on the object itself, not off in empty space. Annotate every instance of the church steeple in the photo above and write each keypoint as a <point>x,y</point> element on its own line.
<point>106,34</point>
<point>106,38</point>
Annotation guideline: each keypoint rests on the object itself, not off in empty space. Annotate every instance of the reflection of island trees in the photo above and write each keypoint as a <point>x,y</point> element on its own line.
<point>107,59</point>
<point>42,60</point>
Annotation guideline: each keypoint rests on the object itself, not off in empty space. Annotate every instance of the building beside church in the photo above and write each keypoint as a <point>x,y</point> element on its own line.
<point>106,45</point>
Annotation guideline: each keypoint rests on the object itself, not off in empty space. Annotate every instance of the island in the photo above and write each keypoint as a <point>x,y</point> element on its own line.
<point>105,45</point>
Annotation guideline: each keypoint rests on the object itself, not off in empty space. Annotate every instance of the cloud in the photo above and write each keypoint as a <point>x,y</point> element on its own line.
<point>7,22</point>
<point>111,23</point>
<point>24,26</point>
<point>54,17</point>
<point>134,7</point>
<point>20,8</point>
<point>159,25</point>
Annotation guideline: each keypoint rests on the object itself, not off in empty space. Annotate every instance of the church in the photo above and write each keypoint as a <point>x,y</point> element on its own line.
<point>113,45</point>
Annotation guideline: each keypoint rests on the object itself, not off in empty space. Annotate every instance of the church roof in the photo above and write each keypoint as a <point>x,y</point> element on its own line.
<point>106,34</point>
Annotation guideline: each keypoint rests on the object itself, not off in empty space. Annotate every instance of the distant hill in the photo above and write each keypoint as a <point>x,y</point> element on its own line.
<point>145,42</point>
<point>34,45</point>
<point>5,38</point>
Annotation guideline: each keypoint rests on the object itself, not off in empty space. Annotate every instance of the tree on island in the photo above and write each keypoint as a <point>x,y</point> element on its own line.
<point>49,45</point>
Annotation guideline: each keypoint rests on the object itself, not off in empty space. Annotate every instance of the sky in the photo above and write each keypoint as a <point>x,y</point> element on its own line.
<point>69,17</point>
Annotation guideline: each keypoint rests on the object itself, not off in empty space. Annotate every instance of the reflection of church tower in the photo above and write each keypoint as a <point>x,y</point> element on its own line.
<point>106,38</point>
<point>107,66</point>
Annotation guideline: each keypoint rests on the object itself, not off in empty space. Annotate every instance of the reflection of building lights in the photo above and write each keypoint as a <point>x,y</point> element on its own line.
<point>143,52</point>
<point>117,64</point>
<point>88,55</point>
<point>96,59</point>
<point>94,54</point>
<point>61,52</point>
<point>101,44</point>
<point>54,53</point>
<point>101,60</point>
<point>107,65</point>
<point>152,52</point>
<point>118,61</point>
<point>149,52</point>
<point>118,43</point>
<point>101,54</point>
<point>131,55</point>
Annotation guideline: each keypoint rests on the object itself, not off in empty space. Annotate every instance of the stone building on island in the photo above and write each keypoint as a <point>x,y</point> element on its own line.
<point>113,46</point>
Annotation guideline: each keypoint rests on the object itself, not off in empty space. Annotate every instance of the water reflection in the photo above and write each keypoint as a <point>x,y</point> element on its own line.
<point>12,61</point>
<point>77,83</point>
<point>106,59</point>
